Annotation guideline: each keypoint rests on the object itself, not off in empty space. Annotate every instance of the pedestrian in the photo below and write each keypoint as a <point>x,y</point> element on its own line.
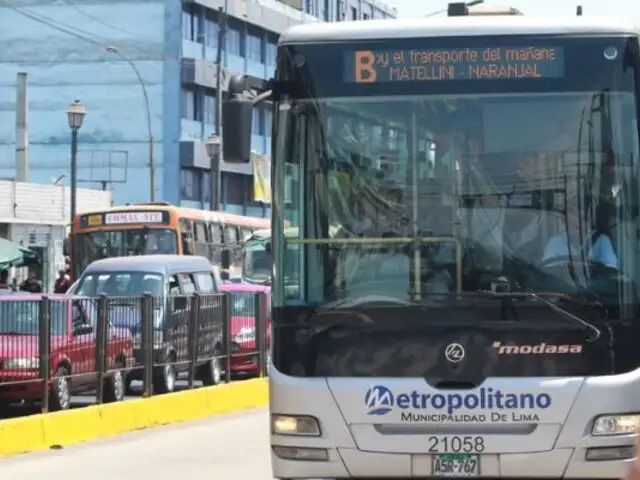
<point>4,282</point>
<point>31,284</point>
<point>63,282</point>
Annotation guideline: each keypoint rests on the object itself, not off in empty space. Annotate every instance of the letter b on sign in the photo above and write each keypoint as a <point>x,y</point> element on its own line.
<point>364,67</point>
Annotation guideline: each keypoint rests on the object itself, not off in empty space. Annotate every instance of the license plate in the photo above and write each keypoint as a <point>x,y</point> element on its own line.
<point>455,465</point>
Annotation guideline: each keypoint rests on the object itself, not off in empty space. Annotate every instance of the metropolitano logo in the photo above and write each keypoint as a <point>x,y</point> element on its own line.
<point>378,400</point>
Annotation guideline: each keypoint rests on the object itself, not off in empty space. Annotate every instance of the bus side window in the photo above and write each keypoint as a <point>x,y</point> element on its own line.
<point>201,239</point>
<point>232,244</point>
<point>186,232</point>
<point>216,241</point>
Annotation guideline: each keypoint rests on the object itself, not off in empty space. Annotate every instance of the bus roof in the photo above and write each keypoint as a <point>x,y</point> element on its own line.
<point>456,27</point>
<point>193,213</point>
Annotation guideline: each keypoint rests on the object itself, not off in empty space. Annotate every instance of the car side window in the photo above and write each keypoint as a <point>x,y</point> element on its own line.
<point>205,282</point>
<point>77,316</point>
<point>188,286</point>
<point>174,285</point>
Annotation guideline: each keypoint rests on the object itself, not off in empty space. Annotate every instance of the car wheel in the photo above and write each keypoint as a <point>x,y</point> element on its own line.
<point>114,386</point>
<point>60,396</point>
<point>165,380</point>
<point>211,373</point>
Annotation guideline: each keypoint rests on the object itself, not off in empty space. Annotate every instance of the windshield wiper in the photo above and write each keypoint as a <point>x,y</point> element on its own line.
<point>339,306</point>
<point>595,332</point>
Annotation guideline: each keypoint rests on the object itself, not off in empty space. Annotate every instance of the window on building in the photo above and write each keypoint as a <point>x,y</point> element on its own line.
<point>189,104</point>
<point>254,45</point>
<point>339,12</point>
<point>206,187</point>
<point>255,126</point>
<point>365,16</point>
<point>354,13</point>
<point>234,37</point>
<point>211,29</point>
<point>190,21</point>
<point>238,188</point>
<point>190,187</point>
<point>209,104</point>
<point>271,50</point>
<point>268,119</point>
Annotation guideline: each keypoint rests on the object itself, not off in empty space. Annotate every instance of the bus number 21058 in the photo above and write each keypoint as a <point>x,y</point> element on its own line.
<point>455,444</point>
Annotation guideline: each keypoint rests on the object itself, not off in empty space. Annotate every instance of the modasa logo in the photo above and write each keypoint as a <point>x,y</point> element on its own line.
<point>379,400</point>
<point>537,349</point>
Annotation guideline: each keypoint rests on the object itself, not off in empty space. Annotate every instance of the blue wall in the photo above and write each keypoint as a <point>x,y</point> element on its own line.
<point>61,46</point>
<point>113,142</point>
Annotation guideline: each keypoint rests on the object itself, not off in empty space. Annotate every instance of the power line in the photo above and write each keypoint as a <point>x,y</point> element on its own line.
<point>106,24</point>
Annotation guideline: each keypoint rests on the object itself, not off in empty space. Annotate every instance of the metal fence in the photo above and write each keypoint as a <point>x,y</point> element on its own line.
<point>55,347</point>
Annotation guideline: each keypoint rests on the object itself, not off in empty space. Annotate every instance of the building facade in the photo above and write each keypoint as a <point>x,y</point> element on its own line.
<point>37,216</point>
<point>104,52</point>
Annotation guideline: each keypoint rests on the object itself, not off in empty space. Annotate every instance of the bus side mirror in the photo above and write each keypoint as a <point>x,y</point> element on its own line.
<point>225,259</point>
<point>237,116</point>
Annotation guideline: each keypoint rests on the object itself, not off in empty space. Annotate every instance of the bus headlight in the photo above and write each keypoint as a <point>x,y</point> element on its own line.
<point>616,424</point>
<point>303,426</point>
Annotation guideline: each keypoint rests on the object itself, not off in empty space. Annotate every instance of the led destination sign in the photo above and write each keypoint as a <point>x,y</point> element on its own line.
<point>426,65</point>
<point>124,218</point>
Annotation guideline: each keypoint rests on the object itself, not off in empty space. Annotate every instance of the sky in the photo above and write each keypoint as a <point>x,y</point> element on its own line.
<point>600,8</point>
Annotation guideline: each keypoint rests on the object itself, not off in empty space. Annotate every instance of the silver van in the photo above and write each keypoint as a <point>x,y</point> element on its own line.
<point>172,280</point>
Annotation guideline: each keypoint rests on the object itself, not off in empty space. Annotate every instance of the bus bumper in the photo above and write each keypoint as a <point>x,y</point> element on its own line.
<point>354,463</point>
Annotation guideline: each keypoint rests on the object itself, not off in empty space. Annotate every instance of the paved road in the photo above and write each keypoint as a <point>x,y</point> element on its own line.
<point>229,447</point>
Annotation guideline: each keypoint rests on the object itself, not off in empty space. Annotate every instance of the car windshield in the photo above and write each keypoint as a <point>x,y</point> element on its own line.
<point>435,190</point>
<point>120,284</point>
<point>88,247</point>
<point>22,317</point>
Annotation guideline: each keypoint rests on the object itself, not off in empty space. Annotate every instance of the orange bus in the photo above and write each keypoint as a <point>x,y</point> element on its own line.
<point>160,228</point>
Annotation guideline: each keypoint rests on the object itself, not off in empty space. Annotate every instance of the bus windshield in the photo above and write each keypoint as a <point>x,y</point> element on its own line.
<point>473,167</point>
<point>91,246</point>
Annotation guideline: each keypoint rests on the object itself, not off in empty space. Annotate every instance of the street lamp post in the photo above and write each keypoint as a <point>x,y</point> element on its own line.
<point>75,115</point>
<point>152,161</point>
<point>213,150</point>
<point>470,3</point>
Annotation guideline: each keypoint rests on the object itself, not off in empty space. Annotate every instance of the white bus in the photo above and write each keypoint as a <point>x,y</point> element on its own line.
<point>488,325</point>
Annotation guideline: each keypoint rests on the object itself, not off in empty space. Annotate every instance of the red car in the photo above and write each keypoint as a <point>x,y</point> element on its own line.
<point>73,350</point>
<point>243,325</point>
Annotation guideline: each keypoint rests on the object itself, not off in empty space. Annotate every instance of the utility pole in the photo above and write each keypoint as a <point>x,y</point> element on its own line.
<point>22,129</point>
<point>216,160</point>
